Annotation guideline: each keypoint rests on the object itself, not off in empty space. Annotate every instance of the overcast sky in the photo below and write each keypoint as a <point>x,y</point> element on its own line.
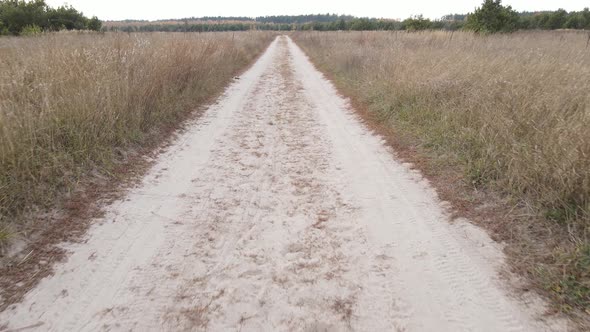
<point>152,10</point>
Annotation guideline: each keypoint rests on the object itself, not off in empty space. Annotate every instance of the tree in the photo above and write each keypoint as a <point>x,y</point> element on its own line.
<point>94,24</point>
<point>557,19</point>
<point>66,17</point>
<point>17,16</point>
<point>361,24</point>
<point>586,18</point>
<point>417,23</point>
<point>492,17</point>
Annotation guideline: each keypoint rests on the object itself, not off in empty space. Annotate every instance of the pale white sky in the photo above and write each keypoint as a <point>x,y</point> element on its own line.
<point>151,10</point>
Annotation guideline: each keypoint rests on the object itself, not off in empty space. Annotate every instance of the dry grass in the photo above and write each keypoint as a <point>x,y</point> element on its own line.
<point>73,104</point>
<point>119,24</point>
<point>512,111</point>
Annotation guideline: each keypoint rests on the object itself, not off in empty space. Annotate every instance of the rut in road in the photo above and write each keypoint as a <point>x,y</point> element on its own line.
<point>278,210</point>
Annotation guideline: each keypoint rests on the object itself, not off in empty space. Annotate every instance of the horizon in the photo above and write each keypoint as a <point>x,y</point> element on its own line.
<point>181,9</point>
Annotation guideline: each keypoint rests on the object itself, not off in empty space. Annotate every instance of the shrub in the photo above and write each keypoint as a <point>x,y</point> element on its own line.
<point>492,17</point>
<point>94,24</point>
<point>417,23</point>
<point>31,30</point>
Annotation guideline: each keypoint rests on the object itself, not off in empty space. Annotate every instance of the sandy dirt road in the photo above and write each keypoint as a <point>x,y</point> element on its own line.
<point>278,211</point>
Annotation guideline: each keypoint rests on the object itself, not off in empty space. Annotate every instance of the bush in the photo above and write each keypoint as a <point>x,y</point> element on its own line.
<point>492,17</point>
<point>94,24</point>
<point>31,30</point>
<point>417,23</point>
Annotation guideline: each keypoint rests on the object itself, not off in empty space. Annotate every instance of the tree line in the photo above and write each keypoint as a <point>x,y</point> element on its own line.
<point>301,19</point>
<point>27,17</point>
<point>23,17</point>
<point>491,17</point>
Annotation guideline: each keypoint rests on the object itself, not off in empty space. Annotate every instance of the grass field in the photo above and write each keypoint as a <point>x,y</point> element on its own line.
<point>512,112</point>
<point>73,104</point>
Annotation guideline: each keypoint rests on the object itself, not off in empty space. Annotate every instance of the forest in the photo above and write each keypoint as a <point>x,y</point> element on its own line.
<point>30,17</point>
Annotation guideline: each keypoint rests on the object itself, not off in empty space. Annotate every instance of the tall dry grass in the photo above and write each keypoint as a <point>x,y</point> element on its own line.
<point>71,102</point>
<point>512,109</point>
<point>515,107</point>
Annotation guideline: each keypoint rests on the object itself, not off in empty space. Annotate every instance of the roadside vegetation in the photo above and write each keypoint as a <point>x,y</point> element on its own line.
<point>72,105</point>
<point>510,111</point>
<point>19,17</point>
